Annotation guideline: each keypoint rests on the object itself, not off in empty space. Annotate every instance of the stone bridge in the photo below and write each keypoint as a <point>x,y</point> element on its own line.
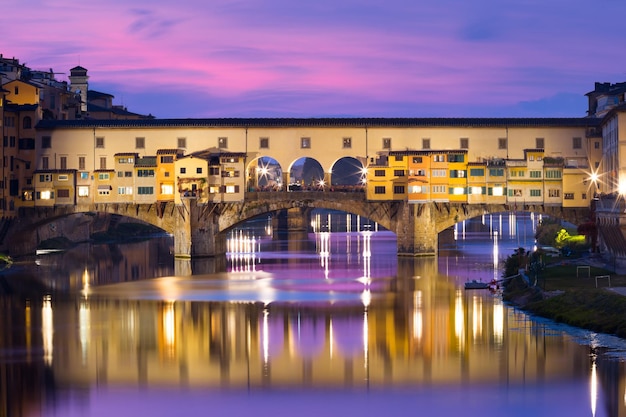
<point>201,230</point>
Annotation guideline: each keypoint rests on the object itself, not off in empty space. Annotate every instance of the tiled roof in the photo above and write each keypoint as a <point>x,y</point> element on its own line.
<point>325,122</point>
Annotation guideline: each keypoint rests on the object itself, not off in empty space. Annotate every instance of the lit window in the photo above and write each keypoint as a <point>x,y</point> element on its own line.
<point>83,191</point>
<point>167,189</point>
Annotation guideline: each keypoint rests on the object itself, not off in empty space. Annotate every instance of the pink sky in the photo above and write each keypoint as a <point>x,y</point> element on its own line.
<point>285,58</point>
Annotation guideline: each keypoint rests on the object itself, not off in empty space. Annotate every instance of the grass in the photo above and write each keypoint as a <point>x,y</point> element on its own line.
<point>559,294</point>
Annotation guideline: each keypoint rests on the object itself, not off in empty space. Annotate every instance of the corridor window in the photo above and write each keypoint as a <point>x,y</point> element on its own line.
<point>222,143</point>
<point>386,143</point>
<point>140,143</point>
<point>347,143</point>
<point>577,143</point>
<point>425,143</point>
<point>264,143</point>
<point>182,143</point>
<point>464,143</point>
<point>502,143</point>
<point>539,143</point>
<point>100,142</point>
<point>305,143</point>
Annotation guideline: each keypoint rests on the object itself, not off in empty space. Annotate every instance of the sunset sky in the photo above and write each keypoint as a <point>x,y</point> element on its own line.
<point>345,58</point>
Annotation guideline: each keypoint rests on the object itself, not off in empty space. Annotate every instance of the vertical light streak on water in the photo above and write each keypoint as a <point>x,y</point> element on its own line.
<point>593,386</point>
<point>329,223</point>
<point>456,231</point>
<point>477,317</point>
<point>358,223</point>
<point>500,225</point>
<point>169,328</point>
<point>498,321</point>
<point>348,223</point>
<point>459,320</point>
<point>366,342</point>
<point>47,328</point>
<point>265,337</point>
<point>331,336</point>
<point>418,325</point>
<point>495,255</point>
<point>463,228</point>
<point>83,329</point>
<point>28,323</point>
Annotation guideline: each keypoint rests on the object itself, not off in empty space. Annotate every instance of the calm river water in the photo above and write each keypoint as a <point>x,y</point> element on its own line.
<point>326,324</point>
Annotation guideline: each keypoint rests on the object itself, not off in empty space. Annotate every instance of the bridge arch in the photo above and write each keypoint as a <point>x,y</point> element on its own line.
<point>347,171</point>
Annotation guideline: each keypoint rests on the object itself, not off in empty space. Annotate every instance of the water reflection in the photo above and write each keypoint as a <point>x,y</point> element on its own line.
<point>340,316</point>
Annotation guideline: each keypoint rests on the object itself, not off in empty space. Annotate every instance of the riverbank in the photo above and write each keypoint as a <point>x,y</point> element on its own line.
<point>561,294</point>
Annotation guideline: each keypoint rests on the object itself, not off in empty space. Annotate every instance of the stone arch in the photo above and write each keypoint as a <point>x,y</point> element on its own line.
<point>306,173</point>
<point>264,173</point>
<point>347,171</point>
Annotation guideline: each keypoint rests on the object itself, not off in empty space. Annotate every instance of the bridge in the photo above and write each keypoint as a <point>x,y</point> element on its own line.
<point>200,230</point>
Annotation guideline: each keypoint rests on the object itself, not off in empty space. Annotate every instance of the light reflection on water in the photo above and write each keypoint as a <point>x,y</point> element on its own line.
<point>336,325</point>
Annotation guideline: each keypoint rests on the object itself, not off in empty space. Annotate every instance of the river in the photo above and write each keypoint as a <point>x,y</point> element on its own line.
<point>328,323</point>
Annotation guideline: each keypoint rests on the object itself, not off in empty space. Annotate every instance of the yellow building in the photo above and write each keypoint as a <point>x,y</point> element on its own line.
<point>146,179</point>
<point>123,183</point>
<point>191,178</point>
<point>477,182</point>
<point>419,176</point>
<point>226,176</point>
<point>103,186</point>
<point>165,175</point>
<point>457,174</point>
<point>387,177</point>
<point>55,187</point>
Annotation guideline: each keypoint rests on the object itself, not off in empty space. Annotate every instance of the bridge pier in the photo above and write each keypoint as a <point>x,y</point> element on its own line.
<point>196,231</point>
<point>416,230</point>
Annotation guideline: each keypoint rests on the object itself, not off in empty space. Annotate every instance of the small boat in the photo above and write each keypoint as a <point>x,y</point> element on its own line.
<point>476,285</point>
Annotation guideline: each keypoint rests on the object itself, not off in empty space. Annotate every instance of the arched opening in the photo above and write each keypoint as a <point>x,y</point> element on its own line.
<point>348,174</point>
<point>306,174</point>
<point>264,174</point>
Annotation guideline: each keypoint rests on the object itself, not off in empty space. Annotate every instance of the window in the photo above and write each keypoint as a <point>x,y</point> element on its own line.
<point>26,143</point>
<point>83,191</point>
<point>502,143</point>
<point>214,170</point>
<point>145,190</point>
<point>535,193</point>
<point>103,176</point>
<point>27,122</point>
<point>464,143</point>
<point>398,173</point>
<point>439,189</point>
<point>183,170</point>
<point>554,193</point>
<point>386,143</point>
<point>379,172</point>
<point>63,177</point>
<point>199,170</point>
<point>63,162</point>
<point>128,174</point>
<point>84,175</point>
<point>120,174</point>
<point>477,190</point>
<point>477,172</point>
<point>596,145</point>
<point>568,196</point>
<point>438,158</point>
<point>425,143</point>
<point>81,162</point>
<point>44,162</point>
<point>129,160</point>
<point>45,177</point>
<point>553,174</point>
<point>145,173</point>
<point>497,191</point>
<point>398,189</point>
<point>46,142</point>
<point>125,190</point>
<point>140,143</point>
<point>305,143</point>
<point>231,189</point>
<point>103,162</point>
<point>379,189</point>
<point>535,174</point>
<point>440,173</point>
<point>222,143</point>
<point>347,143</point>
<point>417,159</point>
<point>515,192</point>
<point>230,159</point>
<point>63,193</point>
<point>456,158</point>
<point>264,143</point>
<point>181,143</point>
<point>167,189</point>
<point>167,159</point>
<point>577,143</point>
<point>100,142</point>
<point>539,143</point>
<point>104,191</point>
<point>45,195</point>
<point>496,172</point>
<point>230,174</point>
